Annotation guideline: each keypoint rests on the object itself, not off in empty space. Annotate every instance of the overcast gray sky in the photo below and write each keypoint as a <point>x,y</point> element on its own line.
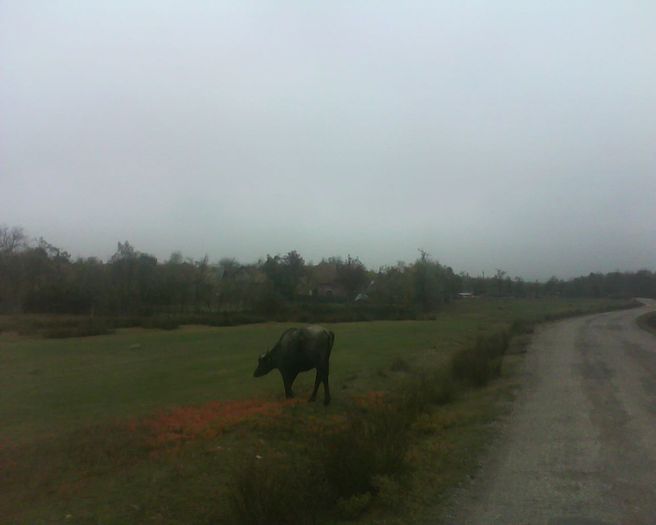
<point>516,135</point>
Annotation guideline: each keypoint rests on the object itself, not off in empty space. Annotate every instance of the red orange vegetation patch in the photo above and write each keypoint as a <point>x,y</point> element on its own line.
<point>180,424</point>
<point>371,398</point>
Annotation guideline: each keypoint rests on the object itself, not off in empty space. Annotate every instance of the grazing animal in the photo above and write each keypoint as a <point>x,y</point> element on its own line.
<point>299,350</point>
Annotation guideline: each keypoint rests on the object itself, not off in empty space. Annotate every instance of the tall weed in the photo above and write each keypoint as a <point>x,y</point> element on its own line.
<point>478,364</point>
<point>371,443</point>
<point>281,489</point>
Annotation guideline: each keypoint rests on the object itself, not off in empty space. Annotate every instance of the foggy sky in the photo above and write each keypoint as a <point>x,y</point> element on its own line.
<point>514,135</point>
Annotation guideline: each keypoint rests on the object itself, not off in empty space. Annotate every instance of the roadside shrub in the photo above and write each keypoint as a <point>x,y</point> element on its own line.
<point>356,461</point>
<point>522,326</point>
<point>275,489</point>
<point>477,365</point>
<point>419,392</point>
<point>471,366</point>
<point>494,345</point>
<point>370,444</point>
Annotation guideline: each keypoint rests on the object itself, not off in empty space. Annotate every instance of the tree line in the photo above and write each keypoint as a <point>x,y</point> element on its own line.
<point>37,277</point>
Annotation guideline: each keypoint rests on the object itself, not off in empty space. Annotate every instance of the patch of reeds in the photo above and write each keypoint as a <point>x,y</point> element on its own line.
<point>373,442</point>
<point>275,488</point>
<point>479,364</point>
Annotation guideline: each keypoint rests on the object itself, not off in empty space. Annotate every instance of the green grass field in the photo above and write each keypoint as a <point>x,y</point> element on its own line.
<point>69,455</point>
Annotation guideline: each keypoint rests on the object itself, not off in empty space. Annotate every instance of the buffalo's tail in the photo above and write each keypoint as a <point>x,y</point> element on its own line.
<point>331,335</point>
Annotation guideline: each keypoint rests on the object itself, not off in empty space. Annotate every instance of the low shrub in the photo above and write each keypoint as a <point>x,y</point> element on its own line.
<point>472,367</point>
<point>373,442</point>
<point>478,364</point>
<point>355,460</point>
<point>434,388</point>
<point>275,489</point>
<point>522,326</point>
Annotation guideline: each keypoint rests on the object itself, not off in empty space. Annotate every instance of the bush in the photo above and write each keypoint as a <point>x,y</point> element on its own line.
<point>371,443</point>
<point>275,489</point>
<point>479,364</point>
<point>419,392</point>
<point>472,367</point>
<point>521,327</point>
<point>353,462</point>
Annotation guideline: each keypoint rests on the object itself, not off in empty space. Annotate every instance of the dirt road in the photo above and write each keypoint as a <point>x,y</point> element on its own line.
<point>580,445</point>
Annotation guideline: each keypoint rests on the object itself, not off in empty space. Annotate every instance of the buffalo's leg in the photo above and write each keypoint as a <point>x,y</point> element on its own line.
<point>288,380</point>
<point>317,382</point>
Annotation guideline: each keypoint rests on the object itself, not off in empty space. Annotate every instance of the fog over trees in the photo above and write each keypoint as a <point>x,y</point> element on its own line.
<point>37,277</point>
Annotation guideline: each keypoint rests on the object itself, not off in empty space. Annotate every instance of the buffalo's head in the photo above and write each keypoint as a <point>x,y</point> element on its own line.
<point>264,365</point>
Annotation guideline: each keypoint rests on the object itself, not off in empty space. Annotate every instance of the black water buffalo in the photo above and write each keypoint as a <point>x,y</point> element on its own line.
<point>298,350</point>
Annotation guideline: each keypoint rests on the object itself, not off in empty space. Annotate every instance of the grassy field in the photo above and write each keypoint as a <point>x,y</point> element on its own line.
<point>149,426</point>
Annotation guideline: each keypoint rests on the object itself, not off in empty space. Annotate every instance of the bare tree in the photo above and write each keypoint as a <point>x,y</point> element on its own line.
<point>12,239</point>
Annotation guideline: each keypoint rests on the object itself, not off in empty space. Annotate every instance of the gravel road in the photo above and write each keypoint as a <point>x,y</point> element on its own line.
<point>580,445</point>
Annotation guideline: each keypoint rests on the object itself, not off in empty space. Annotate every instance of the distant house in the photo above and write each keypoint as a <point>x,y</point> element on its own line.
<point>324,283</point>
<point>240,286</point>
<point>466,295</point>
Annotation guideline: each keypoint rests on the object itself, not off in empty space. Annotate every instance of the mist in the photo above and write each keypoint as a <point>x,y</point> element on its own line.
<point>513,135</point>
